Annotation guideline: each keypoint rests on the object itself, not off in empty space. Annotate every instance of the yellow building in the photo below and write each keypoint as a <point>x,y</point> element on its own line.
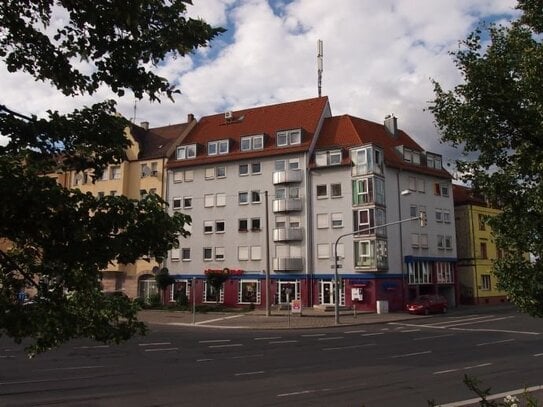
<point>476,249</point>
<point>143,172</point>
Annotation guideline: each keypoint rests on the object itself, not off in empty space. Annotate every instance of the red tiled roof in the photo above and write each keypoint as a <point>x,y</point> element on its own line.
<point>268,120</point>
<point>154,143</point>
<point>464,196</point>
<point>347,131</point>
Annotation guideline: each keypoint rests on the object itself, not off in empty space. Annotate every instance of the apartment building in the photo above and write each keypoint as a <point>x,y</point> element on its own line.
<point>270,190</point>
<point>142,172</point>
<point>476,248</point>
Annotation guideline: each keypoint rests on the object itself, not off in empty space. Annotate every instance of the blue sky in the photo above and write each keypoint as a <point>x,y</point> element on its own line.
<point>379,57</point>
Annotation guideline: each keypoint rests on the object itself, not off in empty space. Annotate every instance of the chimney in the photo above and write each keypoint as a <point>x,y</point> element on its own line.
<point>190,117</point>
<point>391,125</point>
<point>145,125</point>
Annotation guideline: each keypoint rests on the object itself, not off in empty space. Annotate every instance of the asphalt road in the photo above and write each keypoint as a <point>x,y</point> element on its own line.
<point>394,364</point>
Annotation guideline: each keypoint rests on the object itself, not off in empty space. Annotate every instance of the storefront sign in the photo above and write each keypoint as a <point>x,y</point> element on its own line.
<point>226,271</point>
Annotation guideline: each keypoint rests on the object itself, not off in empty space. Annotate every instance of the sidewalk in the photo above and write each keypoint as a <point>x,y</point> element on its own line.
<point>278,319</point>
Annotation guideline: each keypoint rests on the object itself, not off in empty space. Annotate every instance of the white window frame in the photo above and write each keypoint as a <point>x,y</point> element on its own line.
<point>323,250</point>
<point>212,147</point>
<point>209,200</point>
<point>321,196</point>
<point>332,194</point>
<point>243,253</point>
<point>223,147</point>
<point>257,290</point>
<point>255,197</point>
<point>185,198</point>
<point>184,251</point>
<point>336,220</point>
<point>209,173</point>
<point>259,170</point>
<point>246,169</point>
<point>256,253</point>
<point>177,203</point>
<point>322,221</point>
<point>189,175</point>
<point>486,282</point>
<point>175,254</point>
<point>208,227</point>
<point>219,253</point>
<point>220,199</point>
<point>245,200</point>
<point>245,143</point>
<point>177,176</point>
<point>218,224</point>
<point>220,172</point>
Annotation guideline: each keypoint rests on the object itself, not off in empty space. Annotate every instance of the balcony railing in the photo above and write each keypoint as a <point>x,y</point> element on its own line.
<point>287,176</point>
<point>287,205</point>
<point>288,264</point>
<point>287,234</point>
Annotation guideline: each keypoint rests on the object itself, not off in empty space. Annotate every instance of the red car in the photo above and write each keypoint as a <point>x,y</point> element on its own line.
<point>426,304</point>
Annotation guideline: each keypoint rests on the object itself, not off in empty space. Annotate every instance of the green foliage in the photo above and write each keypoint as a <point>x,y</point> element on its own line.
<point>61,239</point>
<point>495,116</point>
<point>164,279</point>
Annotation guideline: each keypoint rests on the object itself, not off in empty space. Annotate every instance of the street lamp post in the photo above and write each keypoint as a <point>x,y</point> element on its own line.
<point>421,218</point>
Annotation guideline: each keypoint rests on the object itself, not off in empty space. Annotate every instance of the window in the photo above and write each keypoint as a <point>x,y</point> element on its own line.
<point>362,191</point>
<point>256,253</point>
<point>208,226</point>
<point>445,190</point>
<point>415,240</point>
<point>366,221</point>
<point>219,226</point>
<point>115,172</point>
<point>219,253</point>
<point>413,211</point>
<point>325,158</point>
<point>323,251</point>
<point>322,191</point>
<point>335,190</point>
<point>243,253</point>
<point>243,198</point>
<point>337,220</point>
<point>433,161</point>
<point>177,176</point>
<point>242,225</point>
<point>220,172</point>
<point>483,250</point>
<point>280,193</point>
<point>208,253</point>
<point>185,254</point>
<point>294,221</point>
<point>185,152</point>
<point>255,224</point>
<point>440,241</point>
<point>294,192</point>
<point>175,255</point>
<point>189,176</point>
<point>421,185</point>
<point>444,273</point>
<point>187,202</point>
<point>322,220</point>
<point>446,216</point>
<point>209,173</point>
<point>419,273</point>
<point>256,168</point>
<point>220,199</point>
<point>255,197</point>
<point>280,165</point>
<point>439,216</point>
<point>423,240</point>
<point>416,157</point>
<point>212,148</point>
<point>252,143</point>
<point>481,219</point>
<point>363,253</point>
<point>249,292</point>
<point>209,200</point>
<point>412,184</point>
<point>290,137</point>
<point>176,203</point>
<point>485,282</point>
<point>334,157</point>
<point>280,222</point>
<point>211,294</point>
<point>321,158</point>
<point>101,194</point>
<point>243,170</point>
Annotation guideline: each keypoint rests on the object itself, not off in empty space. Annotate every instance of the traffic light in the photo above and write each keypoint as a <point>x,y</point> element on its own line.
<point>422,219</point>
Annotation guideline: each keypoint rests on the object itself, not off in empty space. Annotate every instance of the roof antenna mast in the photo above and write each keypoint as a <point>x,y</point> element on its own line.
<point>319,65</point>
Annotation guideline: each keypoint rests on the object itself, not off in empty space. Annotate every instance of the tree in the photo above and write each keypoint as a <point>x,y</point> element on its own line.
<point>57,240</point>
<point>164,280</point>
<point>496,117</point>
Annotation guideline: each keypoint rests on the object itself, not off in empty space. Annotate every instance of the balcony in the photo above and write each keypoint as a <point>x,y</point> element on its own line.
<point>288,264</point>
<point>288,176</point>
<point>287,205</point>
<point>287,234</point>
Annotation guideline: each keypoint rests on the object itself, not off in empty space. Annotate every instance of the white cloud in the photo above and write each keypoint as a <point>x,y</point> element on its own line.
<point>378,59</point>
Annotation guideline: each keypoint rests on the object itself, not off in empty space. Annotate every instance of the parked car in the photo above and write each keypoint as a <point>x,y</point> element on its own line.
<point>426,304</point>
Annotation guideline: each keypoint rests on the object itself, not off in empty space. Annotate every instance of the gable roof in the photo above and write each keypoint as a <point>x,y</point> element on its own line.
<point>347,131</point>
<point>156,142</point>
<point>305,114</point>
<point>463,195</point>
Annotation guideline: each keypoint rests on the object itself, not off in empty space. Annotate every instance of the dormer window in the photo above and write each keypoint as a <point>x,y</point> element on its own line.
<point>327,158</point>
<point>249,143</point>
<point>218,147</point>
<point>433,161</point>
<point>411,156</point>
<point>289,137</point>
<point>186,152</point>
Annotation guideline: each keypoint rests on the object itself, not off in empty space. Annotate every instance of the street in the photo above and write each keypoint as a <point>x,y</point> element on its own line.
<point>401,363</point>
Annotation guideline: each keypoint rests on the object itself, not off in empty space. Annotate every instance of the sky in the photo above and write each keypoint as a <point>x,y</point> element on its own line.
<point>379,58</point>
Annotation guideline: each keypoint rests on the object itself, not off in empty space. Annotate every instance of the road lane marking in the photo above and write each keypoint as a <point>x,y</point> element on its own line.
<point>258,355</point>
<point>218,319</point>
<point>538,354</point>
<point>160,349</point>
<point>250,373</point>
<point>449,325</point>
<point>286,341</point>
<point>373,334</point>
<point>267,338</point>
<point>475,319</point>
<point>506,331</point>
<point>92,347</point>
<point>495,342</point>
<point>423,338</point>
<point>410,330</point>
<point>230,345</point>
<point>297,393</point>
<point>7,357</point>
<point>350,347</point>
<point>312,335</point>
<point>155,344</point>
<point>492,397</point>
<point>215,341</point>
<point>355,332</point>
<point>406,355</point>
<point>462,368</point>
<point>70,368</point>
<point>204,360</point>
<point>331,338</point>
